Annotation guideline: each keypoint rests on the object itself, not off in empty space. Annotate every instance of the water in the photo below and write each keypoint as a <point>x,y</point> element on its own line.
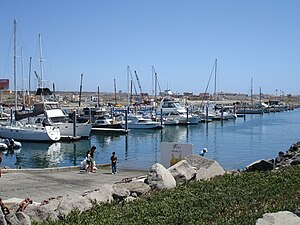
<point>234,144</point>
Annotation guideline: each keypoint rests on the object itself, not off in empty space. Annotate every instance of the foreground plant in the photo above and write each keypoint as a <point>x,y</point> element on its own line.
<point>229,199</point>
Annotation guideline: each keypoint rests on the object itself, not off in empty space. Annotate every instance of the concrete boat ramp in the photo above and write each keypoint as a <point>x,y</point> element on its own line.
<point>41,184</point>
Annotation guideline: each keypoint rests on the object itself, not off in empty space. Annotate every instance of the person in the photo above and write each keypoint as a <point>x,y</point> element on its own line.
<point>202,153</point>
<point>0,163</point>
<point>113,160</point>
<point>88,161</point>
<point>93,148</point>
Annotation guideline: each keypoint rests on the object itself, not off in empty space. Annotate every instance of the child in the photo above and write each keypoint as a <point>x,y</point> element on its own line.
<point>113,160</point>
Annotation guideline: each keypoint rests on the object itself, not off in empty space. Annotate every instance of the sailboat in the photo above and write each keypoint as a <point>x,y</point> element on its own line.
<point>17,130</point>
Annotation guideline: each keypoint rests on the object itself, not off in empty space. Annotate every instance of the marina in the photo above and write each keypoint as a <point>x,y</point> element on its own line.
<point>233,143</point>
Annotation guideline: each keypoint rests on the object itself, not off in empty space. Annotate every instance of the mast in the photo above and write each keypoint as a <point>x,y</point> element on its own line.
<point>15,63</point>
<point>260,96</point>
<point>29,79</point>
<point>98,96</point>
<point>155,89</point>
<point>80,89</point>
<point>215,91</point>
<point>251,92</point>
<point>115,87</point>
<point>41,68</point>
<point>129,84</point>
<point>23,83</point>
<point>41,61</point>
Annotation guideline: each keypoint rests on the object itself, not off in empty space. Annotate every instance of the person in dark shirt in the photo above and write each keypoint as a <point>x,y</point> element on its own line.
<point>113,160</point>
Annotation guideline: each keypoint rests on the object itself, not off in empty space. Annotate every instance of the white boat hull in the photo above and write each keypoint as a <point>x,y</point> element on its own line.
<point>67,129</point>
<point>149,125</point>
<point>30,133</point>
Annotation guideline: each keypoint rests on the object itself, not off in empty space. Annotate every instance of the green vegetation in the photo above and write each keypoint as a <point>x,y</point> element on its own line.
<point>230,199</point>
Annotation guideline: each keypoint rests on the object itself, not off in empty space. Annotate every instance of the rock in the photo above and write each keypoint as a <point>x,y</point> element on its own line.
<point>207,173</point>
<point>260,165</point>
<point>160,178</point>
<point>72,202</point>
<point>279,218</point>
<point>40,213</point>
<point>206,168</point>
<point>297,212</point>
<point>295,160</point>
<point>103,194</point>
<point>294,147</point>
<point>130,199</point>
<point>182,172</point>
<point>12,219</point>
<point>137,188</point>
<point>23,218</point>
<point>134,194</point>
<point>2,218</point>
<point>119,194</point>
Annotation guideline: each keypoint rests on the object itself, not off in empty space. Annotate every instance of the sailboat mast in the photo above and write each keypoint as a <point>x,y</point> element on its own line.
<point>128,87</point>
<point>41,62</point>
<point>115,87</point>
<point>23,84</point>
<point>251,92</point>
<point>98,97</point>
<point>15,63</point>
<point>80,90</point>
<point>215,91</point>
<point>29,79</point>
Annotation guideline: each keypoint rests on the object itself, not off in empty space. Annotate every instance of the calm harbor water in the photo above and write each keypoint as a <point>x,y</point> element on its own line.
<point>233,143</point>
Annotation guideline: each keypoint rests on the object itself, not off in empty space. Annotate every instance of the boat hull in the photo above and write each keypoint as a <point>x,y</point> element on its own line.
<point>30,133</point>
<point>67,129</point>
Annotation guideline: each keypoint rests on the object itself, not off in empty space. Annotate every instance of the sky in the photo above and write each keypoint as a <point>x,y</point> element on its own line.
<point>180,39</point>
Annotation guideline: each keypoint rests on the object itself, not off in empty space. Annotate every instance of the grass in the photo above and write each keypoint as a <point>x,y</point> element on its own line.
<point>230,199</point>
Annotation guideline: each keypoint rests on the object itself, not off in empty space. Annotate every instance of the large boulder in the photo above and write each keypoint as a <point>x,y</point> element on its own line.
<point>2,218</point>
<point>119,194</point>
<point>278,218</point>
<point>40,213</point>
<point>160,178</point>
<point>138,188</point>
<point>72,202</point>
<point>260,165</point>
<point>23,218</point>
<point>206,168</point>
<point>103,194</point>
<point>183,172</point>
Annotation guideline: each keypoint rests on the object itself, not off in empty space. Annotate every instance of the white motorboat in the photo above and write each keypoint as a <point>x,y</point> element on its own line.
<point>138,122</point>
<point>172,109</point>
<point>170,121</point>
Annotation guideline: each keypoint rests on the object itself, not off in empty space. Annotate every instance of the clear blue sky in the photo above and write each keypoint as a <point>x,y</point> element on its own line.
<point>181,39</point>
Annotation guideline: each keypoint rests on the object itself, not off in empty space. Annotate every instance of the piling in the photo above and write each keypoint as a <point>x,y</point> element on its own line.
<point>74,123</point>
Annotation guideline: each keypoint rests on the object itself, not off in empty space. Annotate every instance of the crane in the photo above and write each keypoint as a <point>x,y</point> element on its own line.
<point>129,71</point>
<point>138,81</point>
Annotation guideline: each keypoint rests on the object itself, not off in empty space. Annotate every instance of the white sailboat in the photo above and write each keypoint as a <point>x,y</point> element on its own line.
<point>26,132</point>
